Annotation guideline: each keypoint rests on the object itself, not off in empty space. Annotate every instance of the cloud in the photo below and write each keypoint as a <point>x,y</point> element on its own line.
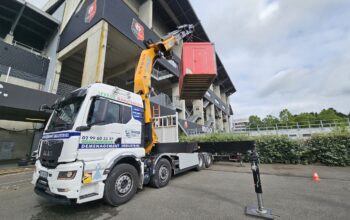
<point>269,8</point>
<point>282,54</point>
<point>287,82</point>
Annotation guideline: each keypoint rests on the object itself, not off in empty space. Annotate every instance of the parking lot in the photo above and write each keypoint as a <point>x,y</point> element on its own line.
<point>220,192</point>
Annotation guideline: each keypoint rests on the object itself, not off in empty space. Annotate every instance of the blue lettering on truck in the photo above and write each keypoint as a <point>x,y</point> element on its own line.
<point>106,146</point>
<point>137,113</point>
<point>62,135</point>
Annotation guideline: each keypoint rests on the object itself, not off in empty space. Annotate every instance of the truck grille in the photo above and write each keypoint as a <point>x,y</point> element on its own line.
<point>50,152</point>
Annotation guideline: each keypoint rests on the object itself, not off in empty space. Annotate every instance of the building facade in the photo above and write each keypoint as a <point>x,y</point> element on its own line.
<point>49,52</point>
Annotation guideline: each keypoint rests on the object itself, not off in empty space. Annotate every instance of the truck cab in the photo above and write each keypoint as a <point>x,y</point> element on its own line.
<point>88,133</point>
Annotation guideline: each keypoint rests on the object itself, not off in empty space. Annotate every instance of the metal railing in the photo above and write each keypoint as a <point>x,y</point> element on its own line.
<point>163,99</point>
<point>161,74</point>
<point>295,125</point>
<point>28,48</point>
<point>8,72</point>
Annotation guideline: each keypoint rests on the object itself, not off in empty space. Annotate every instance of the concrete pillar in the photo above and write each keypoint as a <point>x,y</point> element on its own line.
<point>198,110</point>
<point>95,56</point>
<point>226,123</point>
<point>177,102</point>
<point>223,97</point>
<point>219,122</point>
<point>56,79</point>
<point>210,115</point>
<point>9,38</point>
<point>146,13</point>
<point>216,90</point>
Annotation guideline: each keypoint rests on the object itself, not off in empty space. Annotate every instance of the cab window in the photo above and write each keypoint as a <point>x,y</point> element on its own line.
<point>116,113</point>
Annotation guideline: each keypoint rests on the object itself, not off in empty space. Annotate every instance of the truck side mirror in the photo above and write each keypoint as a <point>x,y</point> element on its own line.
<point>100,112</point>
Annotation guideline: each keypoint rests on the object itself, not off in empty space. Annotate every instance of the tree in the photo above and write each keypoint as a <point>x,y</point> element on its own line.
<point>305,118</point>
<point>286,116</point>
<point>270,121</point>
<point>254,121</point>
<point>329,115</point>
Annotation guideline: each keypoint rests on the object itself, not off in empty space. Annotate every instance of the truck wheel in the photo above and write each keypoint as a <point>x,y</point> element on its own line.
<point>121,184</point>
<point>162,174</point>
<point>208,160</point>
<point>200,165</point>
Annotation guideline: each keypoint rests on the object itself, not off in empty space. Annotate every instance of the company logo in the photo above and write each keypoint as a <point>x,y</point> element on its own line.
<point>90,12</point>
<point>132,133</point>
<point>138,30</point>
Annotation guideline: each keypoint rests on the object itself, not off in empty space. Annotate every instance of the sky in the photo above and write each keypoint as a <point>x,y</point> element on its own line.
<point>292,54</point>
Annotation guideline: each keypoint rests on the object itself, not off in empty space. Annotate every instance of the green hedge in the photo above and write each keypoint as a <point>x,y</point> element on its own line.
<point>331,149</point>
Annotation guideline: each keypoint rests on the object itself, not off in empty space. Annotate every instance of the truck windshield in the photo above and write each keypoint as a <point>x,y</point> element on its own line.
<point>64,115</point>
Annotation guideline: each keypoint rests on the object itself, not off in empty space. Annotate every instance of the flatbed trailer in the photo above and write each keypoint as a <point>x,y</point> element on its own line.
<point>227,150</point>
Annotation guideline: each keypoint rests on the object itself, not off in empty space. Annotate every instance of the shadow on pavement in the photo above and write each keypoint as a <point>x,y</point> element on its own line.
<point>91,210</point>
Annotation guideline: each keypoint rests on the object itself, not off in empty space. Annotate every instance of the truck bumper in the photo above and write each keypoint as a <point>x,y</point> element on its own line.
<point>44,192</point>
<point>66,191</point>
<point>52,187</point>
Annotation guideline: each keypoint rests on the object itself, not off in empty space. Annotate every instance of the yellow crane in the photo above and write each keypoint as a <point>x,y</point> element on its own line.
<point>142,79</point>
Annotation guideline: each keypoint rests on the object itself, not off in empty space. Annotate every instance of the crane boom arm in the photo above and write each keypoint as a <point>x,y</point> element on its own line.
<point>142,79</point>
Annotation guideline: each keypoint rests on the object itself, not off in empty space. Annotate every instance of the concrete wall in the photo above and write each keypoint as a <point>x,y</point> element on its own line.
<point>16,140</point>
<point>146,13</point>
<point>158,26</point>
<point>133,5</point>
<point>21,82</point>
<point>69,9</point>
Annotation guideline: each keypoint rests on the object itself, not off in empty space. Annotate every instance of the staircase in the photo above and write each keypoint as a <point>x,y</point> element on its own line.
<point>193,118</point>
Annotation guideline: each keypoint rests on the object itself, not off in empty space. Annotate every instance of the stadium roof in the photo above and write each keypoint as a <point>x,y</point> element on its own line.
<point>30,26</point>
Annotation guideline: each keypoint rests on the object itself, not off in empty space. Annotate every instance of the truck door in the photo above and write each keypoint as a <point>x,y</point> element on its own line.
<point>103,137</point>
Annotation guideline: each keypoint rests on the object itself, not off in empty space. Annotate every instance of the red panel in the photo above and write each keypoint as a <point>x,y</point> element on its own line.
<point>198,69</point>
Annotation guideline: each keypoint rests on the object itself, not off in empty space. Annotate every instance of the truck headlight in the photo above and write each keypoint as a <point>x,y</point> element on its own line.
<point>66,175</point>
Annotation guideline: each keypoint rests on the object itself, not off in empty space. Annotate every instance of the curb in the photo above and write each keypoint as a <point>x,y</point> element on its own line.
<point>15,170</point>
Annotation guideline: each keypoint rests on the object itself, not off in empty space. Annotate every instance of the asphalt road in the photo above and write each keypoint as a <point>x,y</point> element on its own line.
<point>221,192</point>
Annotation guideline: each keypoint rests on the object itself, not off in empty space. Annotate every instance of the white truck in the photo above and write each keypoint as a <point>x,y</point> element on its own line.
<point>100,141</point>
<point>92,148</point>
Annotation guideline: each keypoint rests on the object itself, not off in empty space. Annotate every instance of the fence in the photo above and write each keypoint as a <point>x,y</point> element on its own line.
<point>293,130</point>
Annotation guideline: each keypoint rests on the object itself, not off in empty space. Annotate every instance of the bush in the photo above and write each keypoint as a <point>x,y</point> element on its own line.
<point>331,149</point>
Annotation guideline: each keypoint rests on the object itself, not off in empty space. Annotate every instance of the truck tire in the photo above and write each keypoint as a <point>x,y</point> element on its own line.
<point>201,164</point>
<point>208,160</point>
<point>121,184</point>
<point>162,174</point>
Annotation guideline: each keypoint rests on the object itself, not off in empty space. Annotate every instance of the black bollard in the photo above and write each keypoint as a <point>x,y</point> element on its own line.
<point>258,211</point>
